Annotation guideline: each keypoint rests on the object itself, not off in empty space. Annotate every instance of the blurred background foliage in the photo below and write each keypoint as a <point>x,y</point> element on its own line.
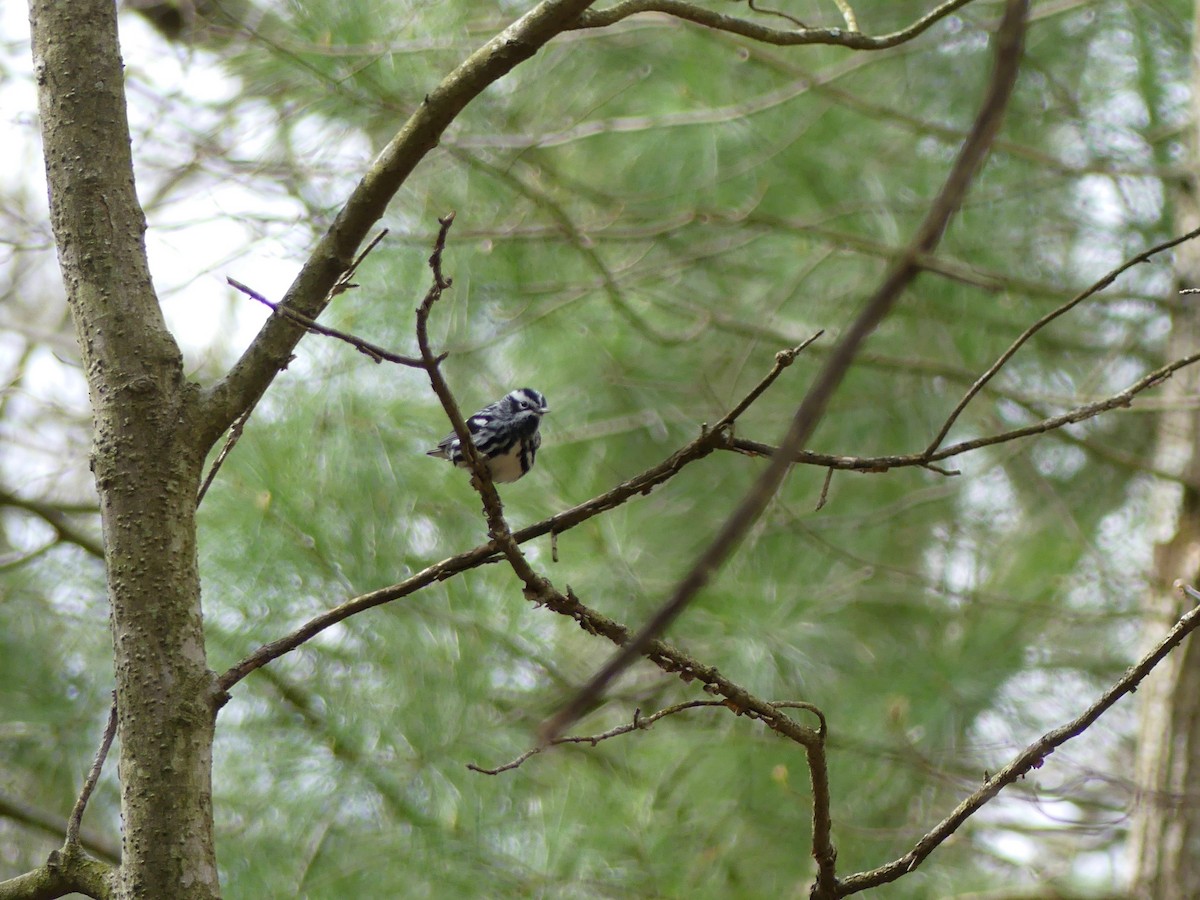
<point>646,214</point>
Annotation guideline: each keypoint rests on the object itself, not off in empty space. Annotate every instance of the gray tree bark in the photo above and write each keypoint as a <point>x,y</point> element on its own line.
<point>153,427</point>
<point>146,458</point>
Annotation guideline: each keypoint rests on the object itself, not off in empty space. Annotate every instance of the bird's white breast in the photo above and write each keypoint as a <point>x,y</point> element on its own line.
<point>507,466</point>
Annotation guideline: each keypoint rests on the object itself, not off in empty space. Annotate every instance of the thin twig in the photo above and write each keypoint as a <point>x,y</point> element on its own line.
<point>775,12</point>
<point>374,351</point>
<point>235,434</point>
<point>340,286</point>
<point>643,483</point>
<point>1009,44</point>
<point>512,764</point>
<point>493,509</point>
<point>51,824</point>
<point>823,851</point>
<point>641,723</point>
<point>1032,757</point>
<point>847,14</point>
<point>824,490</point>
<point>1045,320</point>
<point>93,776</point>
<point>877,464</point>
<point>343,282</point>
<point>482,479</point>
<point>783,359</point>
<point>681,9</point>
<point>538,589</point>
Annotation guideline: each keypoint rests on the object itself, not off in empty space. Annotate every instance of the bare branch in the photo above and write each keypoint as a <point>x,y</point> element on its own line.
<point>377,353</point>
<point>762,10</point>
<point>1009,44</point>
<point>93,776</point>
<point>680,9</point>
<point>1032,757</point>
<point>535,585</point>
<point>639,723</point>
<point>1045,320</point>
<point>643,483</point>
<point>235,434</point>
<point>708,441</point>
<point>343,283</point>
<point>270,351</point>
<point>56,519</point>
<point>671,659</point>
<point>532,751</point>
<point>668,658</point>
<point>783,359</point>
<point>538,589</point>
<point>1122,400</point>
<point>823,851</point>
<point>821,500</point>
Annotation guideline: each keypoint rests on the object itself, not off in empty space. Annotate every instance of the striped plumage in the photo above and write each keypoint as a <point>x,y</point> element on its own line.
<point>505,433</point>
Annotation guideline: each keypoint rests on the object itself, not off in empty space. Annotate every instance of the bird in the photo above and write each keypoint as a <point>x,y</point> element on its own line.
<point>505,433</point>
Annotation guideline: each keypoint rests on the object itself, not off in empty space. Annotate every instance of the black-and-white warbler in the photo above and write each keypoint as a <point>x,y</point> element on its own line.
<point>505,434</point>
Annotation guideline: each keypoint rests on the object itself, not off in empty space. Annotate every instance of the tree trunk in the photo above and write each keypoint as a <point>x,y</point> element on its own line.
<point>1165,827</point>
<point>145,458</point>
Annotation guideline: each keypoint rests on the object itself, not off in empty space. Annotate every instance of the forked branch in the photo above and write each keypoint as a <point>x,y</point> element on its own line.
<point>66,872</point>
<point>374,351</point>
<point>783,37</point>
<point>1045,320</point>
<point>334,254</point>
<point>1032,757</point>
<point>93,776</point>
<point>498,528</point>
<point>706,443</point>
<point>1121,400</point>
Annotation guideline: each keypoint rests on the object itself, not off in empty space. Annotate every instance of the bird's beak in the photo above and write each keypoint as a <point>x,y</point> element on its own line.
<point>543,410</point>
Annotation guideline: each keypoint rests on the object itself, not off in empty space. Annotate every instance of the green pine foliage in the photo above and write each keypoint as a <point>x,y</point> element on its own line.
<point>645,216</point>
